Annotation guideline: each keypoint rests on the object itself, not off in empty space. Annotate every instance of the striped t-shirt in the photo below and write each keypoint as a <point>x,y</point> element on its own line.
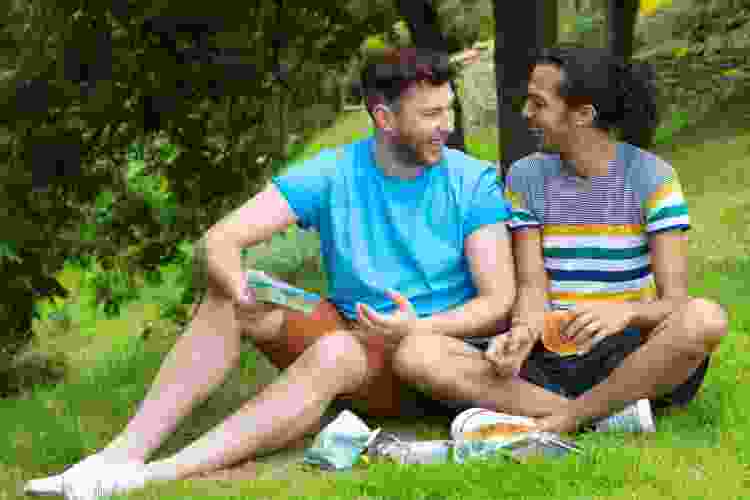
<point>595,231</point>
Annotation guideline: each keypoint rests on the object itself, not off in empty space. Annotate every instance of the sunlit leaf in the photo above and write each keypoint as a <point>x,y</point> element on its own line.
<point>7,251</point>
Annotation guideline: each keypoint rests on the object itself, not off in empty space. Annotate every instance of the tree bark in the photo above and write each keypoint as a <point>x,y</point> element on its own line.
<point>532,25</point>
<point>621,17</point>
<point>422,19</point>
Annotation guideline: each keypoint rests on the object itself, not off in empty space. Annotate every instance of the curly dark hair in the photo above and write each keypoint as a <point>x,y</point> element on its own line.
<point>624,94</point>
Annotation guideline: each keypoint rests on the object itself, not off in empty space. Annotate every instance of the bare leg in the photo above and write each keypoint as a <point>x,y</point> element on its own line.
<point>197,364</point>
<point>449,369</point>
<point>675,348</point>
<point>283,412</point>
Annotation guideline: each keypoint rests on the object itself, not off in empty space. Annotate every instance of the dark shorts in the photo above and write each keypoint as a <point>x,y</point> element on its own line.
<point>572,376</point>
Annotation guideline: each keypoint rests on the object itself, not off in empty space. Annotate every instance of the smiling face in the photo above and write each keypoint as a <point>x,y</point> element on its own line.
<point>545,110</point>
<point>552,120</point>
<point>422,122</point>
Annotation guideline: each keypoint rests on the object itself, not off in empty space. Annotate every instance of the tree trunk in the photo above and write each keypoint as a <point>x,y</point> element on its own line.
<point>423,23</point>
<point>621,17</point>
<point>533,25</point>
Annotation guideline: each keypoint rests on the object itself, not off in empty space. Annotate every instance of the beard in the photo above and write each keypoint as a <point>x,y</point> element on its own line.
<point>408,154</point>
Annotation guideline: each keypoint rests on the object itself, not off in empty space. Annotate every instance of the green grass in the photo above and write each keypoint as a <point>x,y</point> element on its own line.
<point>698,452</point>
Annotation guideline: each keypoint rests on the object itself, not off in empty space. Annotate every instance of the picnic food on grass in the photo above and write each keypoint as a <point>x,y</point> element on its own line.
<point>499,430</point>
<point>554,322</point>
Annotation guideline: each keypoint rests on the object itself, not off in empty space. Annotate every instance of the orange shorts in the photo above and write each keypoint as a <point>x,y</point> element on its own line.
<point>381,394</point>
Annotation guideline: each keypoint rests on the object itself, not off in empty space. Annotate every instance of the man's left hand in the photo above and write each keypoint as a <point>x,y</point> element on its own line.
<point>393,327</point>
<point>599,321</point>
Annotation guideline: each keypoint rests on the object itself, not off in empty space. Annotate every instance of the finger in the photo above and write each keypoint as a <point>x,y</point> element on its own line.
<point>501,344</point>
<point>402,301</point>
<point>514,344</point>
<point>505,367</point>
<point>374,317</point>
<point>523,339</point>
<point>364,320</point>
<point>492,351</point>
<point>586,334</point>
<point>574,327</point>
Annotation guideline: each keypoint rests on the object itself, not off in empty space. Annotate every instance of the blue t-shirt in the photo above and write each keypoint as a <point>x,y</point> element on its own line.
<point>379,232</point>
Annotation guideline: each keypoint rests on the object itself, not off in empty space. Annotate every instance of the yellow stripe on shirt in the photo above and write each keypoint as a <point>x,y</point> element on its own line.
<point>647,293</point>
<point>593,229</point>
<point>665,191</point>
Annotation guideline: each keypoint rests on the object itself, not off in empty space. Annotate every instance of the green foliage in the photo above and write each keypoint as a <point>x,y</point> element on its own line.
<point>113,288</point>
<point>676,122</point>
<point>465,22</point>
<point>130,130</point>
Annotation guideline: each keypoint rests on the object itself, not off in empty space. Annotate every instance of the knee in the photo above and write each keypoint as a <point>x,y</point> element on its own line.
<point>705,323</point>
<point>415,355</point>
<point>343,356</point>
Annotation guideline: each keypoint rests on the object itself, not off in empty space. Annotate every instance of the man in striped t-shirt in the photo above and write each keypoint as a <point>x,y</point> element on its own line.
<point>599,229</point>
<point>595,232</point>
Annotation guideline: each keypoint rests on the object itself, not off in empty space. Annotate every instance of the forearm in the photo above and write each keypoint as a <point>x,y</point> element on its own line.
<point>646,315</point>
<point>221,265</point>
<point>531,302</point>
<point>476,318</point>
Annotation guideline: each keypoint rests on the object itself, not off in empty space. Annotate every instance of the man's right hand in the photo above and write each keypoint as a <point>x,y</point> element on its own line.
<point>508,351</point>
<point>245,303</point>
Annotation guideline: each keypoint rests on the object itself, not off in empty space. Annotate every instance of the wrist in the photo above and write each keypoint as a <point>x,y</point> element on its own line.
<point>422,326</point>
<point>632,313</point>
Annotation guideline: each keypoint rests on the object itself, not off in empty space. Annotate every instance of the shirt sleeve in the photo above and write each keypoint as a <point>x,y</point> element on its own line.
<point>487,204</point>
<point>518,195</point>
<point>305,187</point>
<point>665,207</point>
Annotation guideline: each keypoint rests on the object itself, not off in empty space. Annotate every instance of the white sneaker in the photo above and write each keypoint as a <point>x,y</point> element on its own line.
<point>636,417</point>
<point>103,480</point>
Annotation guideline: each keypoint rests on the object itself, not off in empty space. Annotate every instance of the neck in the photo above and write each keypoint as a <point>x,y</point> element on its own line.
<point>590,155</point>
<point>395,160</point>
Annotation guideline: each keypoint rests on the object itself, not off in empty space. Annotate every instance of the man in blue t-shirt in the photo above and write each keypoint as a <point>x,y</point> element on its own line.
<point>414,242</point>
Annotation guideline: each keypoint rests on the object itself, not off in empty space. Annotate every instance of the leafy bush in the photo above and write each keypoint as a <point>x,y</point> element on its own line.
<point>676,122</point>
<point>84,81</point>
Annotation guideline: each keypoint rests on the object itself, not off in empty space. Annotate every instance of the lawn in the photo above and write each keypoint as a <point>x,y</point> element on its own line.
<point>698,452</point>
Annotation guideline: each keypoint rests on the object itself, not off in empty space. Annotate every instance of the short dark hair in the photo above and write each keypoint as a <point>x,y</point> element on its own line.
<point>388,73</point>
<point>624,94</point>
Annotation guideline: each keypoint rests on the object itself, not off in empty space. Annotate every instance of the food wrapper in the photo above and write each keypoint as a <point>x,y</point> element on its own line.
<point>270,290</point>
<point>524,445</point>
<point>475,432</point>
<point>389,447</point>
<point>339,445</point>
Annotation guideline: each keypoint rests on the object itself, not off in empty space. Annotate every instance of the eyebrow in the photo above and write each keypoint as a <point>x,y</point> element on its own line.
<point>537,95</point>
<point>438,108</point>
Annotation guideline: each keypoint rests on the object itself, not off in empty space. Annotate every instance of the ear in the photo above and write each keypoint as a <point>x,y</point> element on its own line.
<point>383,117</point>
<point>585,115</point>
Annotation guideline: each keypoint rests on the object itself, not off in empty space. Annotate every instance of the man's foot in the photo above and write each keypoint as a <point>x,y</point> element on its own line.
<point>558,424</point>
<point>104,479</point>
<point>53,485</point>
<point>636,417</point>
